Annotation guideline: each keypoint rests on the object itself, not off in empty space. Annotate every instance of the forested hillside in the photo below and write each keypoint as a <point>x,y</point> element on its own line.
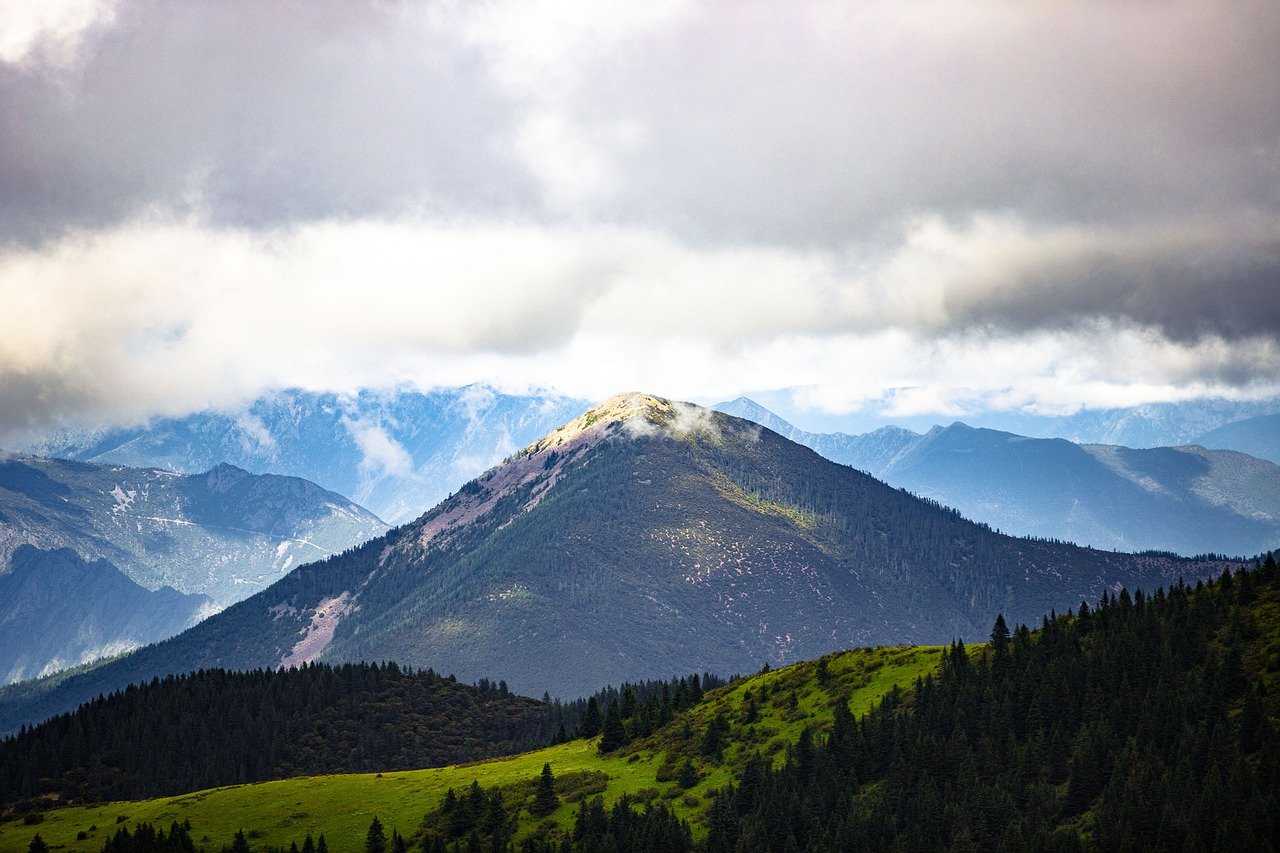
<point>215,728</point>
<point>1148,722</point>
<point>1145,721</point>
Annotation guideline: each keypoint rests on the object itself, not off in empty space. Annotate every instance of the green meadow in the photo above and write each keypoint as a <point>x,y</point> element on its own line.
<point>764,714</point>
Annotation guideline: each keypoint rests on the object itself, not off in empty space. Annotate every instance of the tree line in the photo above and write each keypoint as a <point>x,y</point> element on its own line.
<point>213,727</point>
<point>1135,724</point>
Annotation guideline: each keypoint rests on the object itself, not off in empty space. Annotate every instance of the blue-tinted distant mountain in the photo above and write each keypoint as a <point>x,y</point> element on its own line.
<point>1187,499</point>
<point>397,453</point>
<point>226,532</point>
<point>1149,425</point>
<point>57,611</point>
<point>871,452</point>
<point>1258,437</point>
<point>1146,425</point>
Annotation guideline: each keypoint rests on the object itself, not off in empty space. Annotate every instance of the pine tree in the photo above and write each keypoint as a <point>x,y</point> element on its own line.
<point>545,800</point>
<point>239,844</point>
<point>713,737</point>
<point>1000,645</point>
<point>613,735</point>
<point>37,845</point>
<point>589,725</point>
<point>375,840</point>
<point>687,775</point>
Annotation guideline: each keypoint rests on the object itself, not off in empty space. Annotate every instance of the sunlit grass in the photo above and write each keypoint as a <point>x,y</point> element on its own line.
<point>342,806</point>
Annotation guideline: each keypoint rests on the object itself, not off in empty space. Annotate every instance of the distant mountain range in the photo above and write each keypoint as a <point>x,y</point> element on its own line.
<point>225,533</point>
<point>1147,425</point>
<point>396,452</point>
<point>1258,437</point>
<point>1188,500</point>
<point>643,538</point>
<point>96,560</point>
<point>58,610</point>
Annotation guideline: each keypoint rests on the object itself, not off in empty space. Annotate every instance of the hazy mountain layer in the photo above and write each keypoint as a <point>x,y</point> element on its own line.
<point>1183,499</point>
<point>397,453</point>
<point>226,532</point>
<point>57,611</point>
<point>1258,437</point>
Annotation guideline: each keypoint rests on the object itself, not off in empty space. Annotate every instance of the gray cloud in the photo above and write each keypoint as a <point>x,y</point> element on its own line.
<point>199,200</point>
<point>802,123</point>
<point>256,114</point>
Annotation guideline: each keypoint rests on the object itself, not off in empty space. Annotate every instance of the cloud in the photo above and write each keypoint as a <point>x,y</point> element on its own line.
<point>167,317</point>
<point>808,123</point>
<point>51,31</point>
<point>254,430</point>
<point>382,455</point>
<point>883,203</point>
<point>255,115</point>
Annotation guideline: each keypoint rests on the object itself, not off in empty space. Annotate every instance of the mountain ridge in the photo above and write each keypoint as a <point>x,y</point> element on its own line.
<point>642,538</point>
<point>395,451</point>
<point>1184,499</point>
<point>222,532</point>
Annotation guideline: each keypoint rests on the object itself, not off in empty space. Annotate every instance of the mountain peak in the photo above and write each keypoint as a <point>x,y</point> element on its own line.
<point>745,407</point>
<point>639,413</point>
<point>538,468</point>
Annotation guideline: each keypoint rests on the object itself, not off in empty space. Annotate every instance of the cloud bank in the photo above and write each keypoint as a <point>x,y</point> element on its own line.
<point>1017,205</point>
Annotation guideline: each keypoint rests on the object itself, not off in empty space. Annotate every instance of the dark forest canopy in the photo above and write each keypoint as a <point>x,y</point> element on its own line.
<point>213,727</point>
<point>1147,722</point>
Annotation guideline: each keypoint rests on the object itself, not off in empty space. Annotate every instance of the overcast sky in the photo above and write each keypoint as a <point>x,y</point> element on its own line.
<point>916,207</point>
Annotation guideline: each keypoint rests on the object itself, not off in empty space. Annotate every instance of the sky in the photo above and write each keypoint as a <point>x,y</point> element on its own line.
<point>919,208</point>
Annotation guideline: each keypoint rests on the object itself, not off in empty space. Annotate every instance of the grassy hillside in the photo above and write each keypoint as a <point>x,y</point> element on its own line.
<point>214,728</point>
<point>341,807</point>
<point>1140,724</point>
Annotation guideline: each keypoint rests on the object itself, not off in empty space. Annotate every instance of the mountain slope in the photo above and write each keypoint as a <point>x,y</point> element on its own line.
<point>57,611</point>
<point>1259,436</point>
<point>396,452</point>
<point>1188,500</point>
<point>215,728</point>
<point>1139,725</point>
<point>225,532</point>
<point>1183,499</point>
<point>1145,722</point>
<point>871,452</point>
<point>645,537</point>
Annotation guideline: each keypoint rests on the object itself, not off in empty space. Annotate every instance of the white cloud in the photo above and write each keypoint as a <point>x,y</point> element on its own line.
<point>167,317</point>
<point>52,29</point>
<point>891,204</point>
<point>382,455</point>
